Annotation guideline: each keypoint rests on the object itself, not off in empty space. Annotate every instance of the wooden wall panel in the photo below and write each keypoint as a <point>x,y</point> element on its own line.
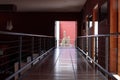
<point>102,29</point>
<point>95,16</point>
<point>88,7</point>
<point>93,45</point>
<point>113,40</point>
<point>119,37</point>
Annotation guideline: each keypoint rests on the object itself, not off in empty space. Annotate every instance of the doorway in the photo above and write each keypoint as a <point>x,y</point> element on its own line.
<point>65,33</point>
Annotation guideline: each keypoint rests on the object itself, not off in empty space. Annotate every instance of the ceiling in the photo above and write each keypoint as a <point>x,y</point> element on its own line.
<point>47,5</point>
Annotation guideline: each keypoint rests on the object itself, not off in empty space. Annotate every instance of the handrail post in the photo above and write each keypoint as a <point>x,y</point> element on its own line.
<point>20,53</point>
<point>96,49</point>
<point>76,43</point>
<point>89,46</point>
<point>40,50</point>
<point>25,43</point>
<point>47,44</point>
<point>82,43</point>
<point>32,48</point>
<point>39,46</point>
<point>44,44</point>
<point>106,52</point>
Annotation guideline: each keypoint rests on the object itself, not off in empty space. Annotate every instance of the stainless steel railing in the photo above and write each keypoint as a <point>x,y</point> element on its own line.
<point>96,49</point>
<point>19,52</point>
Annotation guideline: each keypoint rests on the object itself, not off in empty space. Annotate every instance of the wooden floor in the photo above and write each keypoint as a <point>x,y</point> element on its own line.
<point>63,64</point>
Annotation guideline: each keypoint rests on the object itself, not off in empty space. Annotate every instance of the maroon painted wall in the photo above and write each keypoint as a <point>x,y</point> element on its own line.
<point>35,22</point>
<point>70,28</point>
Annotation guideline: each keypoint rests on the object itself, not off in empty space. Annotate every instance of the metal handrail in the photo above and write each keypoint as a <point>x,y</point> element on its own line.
<point>100,35</point>
<point>34,39</point>
<point>110,74</point>
<point>23,34</point>
<point>23,68</point>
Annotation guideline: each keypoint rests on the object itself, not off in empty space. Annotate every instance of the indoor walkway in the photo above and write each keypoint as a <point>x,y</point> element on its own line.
<point>63,64</point>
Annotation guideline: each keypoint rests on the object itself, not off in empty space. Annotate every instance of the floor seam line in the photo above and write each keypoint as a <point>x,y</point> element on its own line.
<point>73,66</point>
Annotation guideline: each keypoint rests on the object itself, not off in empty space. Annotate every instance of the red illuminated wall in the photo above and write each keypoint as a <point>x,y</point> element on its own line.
<point>70,28</point>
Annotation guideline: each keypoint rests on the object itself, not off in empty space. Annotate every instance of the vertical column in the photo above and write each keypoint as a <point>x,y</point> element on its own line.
<point>113,39</point>
<point>93,39</point>
<point>57,33</point>
<point>86,33</point>
<point>119,37</point>
<point>95,17</point>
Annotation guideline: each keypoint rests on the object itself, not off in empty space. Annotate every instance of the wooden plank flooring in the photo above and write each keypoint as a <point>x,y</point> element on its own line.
<point>63,64</point>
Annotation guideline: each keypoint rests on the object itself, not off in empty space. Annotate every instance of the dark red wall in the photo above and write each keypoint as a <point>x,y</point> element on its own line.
<point>70,28</point>
<point>35,22</point>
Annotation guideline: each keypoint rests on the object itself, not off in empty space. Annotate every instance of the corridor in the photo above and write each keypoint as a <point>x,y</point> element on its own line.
<point>63,64</point>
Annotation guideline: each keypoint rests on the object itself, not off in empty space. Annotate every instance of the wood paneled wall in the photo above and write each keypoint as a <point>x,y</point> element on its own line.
<point>109,25</point>
<point>119,37</point>
<point>103,27</point>
<point>113,39</point>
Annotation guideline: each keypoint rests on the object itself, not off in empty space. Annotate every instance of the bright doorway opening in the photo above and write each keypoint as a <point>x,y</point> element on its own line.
<point>65,33</point>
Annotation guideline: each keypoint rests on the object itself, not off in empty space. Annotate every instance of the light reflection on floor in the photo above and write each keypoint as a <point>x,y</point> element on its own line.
<point>64,63</point>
